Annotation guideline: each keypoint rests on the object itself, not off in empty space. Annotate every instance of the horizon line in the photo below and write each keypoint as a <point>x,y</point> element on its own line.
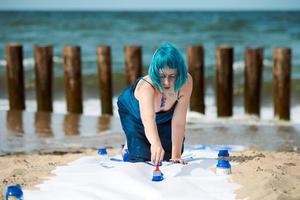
<point>154,10</point>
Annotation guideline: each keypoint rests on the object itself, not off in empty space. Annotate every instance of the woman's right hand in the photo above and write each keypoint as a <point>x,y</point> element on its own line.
<point>157,153</point>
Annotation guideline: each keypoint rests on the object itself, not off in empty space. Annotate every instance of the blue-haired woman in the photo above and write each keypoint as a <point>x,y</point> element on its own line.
<point>153,110</point>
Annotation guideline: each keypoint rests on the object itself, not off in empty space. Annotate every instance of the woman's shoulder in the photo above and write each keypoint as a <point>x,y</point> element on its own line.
<point>189,83</point>
<point>145,82</point>
<point>144,85</point>
<point>189,79</point>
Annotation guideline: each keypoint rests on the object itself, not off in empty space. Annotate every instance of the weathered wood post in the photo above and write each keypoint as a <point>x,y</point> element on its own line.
<point>72,78</point>
<point>224,80</point>
<point>253,77</point>
<point>42,123</point>
<point>281,82</point>
<point>195,59</point>
<point>105,80</point>
<point>14,121</point>
<point>71,124</point>
<point>43,77</point>
<point>104,123</point>
<point>133,63</point>
<point>15,76</point>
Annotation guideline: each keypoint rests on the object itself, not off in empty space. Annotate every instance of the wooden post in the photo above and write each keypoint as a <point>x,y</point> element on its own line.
<point>133,63</point>
<point>42,123</point>
<point>43,77</point>
<point>281,82</point>
<point>224,81</point>
<point>72,73</point>
<point>14,122</point>
<point>104,123</point>
<point>15,76</point>
<point>195,56</point>
<point>71,124</point>
<point>105,80</point>
<point>253,76</point>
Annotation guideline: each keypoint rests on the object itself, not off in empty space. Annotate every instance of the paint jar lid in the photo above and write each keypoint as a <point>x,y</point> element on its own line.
<point>223,153</point>
<point>223,164</point>
<point>102,151</point>
<point>14,190</point>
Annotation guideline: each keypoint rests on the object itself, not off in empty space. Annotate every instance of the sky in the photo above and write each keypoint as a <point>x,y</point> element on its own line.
<point>149,4</point>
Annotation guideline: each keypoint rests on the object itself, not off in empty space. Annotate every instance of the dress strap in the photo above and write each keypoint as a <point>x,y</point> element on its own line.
<point>178,95</point>
<point>149,83</point>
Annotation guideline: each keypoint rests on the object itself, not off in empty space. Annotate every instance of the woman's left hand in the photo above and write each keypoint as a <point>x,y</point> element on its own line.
<point>178,160</point>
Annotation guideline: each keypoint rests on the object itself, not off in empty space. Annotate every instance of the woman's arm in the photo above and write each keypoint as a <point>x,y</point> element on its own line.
<point>179,118</point>
<point>146,102</point>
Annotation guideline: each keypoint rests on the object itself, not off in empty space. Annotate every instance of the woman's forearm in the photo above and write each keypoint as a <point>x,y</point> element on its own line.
<point>177,140</point>
<point>151,130</point>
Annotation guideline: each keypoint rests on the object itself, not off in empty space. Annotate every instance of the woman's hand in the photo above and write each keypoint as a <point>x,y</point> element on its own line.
<point>157,153</point>
<point>178,160</point>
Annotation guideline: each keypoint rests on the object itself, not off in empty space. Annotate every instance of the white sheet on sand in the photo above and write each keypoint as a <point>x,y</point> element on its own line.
<point>86,178</point>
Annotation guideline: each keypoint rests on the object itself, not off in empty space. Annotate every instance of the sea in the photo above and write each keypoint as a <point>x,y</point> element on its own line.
<point>211,29</point>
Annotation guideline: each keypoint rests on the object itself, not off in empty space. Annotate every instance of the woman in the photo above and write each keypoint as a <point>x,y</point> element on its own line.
<point>153,110</point>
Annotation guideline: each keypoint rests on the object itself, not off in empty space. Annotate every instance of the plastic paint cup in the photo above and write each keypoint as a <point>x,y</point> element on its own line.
<point>223,167</point>
<point>14,192</point>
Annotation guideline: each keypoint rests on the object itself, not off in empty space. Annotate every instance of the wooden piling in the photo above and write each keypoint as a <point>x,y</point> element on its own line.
<point>195,57</point>
<point>43,77</point>
<point>72,78</point>
<point>224,80</point>
<point>281,82</point>
<point>105,80</point>
<point>42,124</point>
<point>14,122</point>
<point>133,63</point>
<point>253,77</point>
<point>71,124</point>
<point>15,76</point>
<point>104,123</point>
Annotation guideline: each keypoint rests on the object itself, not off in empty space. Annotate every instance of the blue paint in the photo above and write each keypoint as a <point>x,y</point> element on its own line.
<point>116,159</point>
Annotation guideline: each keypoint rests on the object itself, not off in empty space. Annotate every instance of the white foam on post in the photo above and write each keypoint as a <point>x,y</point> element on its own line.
<point>87,179</point>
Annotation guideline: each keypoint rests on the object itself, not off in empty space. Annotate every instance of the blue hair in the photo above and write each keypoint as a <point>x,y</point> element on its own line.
<point>167,56</point>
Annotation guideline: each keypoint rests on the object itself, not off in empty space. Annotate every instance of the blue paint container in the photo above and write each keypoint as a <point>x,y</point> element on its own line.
<point>14,192</point>
<point>223,167</point>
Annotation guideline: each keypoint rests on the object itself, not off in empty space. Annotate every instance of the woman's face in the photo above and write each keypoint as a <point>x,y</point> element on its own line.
<point>167,78</point>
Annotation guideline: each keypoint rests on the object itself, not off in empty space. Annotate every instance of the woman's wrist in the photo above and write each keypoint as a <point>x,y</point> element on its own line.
<point>176,156</point>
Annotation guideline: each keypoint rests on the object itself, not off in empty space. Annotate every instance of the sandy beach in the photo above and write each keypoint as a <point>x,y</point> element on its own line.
<point>262,174</point>
<point>267,175</point>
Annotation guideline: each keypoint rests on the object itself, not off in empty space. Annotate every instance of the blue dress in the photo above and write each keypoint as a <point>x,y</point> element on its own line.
<point>138,144</point>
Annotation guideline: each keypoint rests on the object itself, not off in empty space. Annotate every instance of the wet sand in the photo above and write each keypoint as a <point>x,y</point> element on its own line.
<point>32,132</point>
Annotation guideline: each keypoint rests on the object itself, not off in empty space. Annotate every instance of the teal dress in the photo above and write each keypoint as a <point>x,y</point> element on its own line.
<point>138,144</point>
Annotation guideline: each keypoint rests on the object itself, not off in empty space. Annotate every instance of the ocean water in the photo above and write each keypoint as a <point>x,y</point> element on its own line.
<point>149,29</point>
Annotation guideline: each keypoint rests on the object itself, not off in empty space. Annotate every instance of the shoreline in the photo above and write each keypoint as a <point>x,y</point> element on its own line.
<point>261,174</point>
